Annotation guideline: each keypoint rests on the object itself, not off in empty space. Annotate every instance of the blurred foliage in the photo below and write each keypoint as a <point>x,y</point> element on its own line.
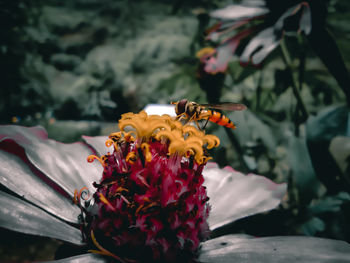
<point>19,44</point>
<point>75,66</point>
<point>280,138</point>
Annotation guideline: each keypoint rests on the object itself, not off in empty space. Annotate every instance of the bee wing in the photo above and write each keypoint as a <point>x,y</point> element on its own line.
<point>228,106</point>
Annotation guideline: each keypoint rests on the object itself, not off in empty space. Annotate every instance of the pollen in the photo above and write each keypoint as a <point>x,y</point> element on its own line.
<point>185,140</point>
<point>206,51</point>
<point>189,141</point>
<point>145,126</point>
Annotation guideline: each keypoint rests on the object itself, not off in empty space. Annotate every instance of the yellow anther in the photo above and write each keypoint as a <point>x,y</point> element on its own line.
<point>104,158</point>
<point>205,52</point>
<point>109,143</point>
<point>79,195</point>
<point>145,126</point>
<point>211,141</point>
<point>128,136</point>
<point>115,136</point>
<point>92,158</point>
<point>146,152</point>
<point>121,189</point>
<point>139,209</point>
<point>75,197</point>
<point>192,131</point>
<point>85,191</point>
<point>106,202</point>
<point>146,199</point>
<point>183,140</point>
<point>102,250</point>
<point>192,145</point>
<point>131,157</point>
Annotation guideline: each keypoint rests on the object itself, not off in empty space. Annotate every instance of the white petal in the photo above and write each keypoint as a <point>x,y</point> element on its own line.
<point>286,249</point>
<point>19,178</point>
<point>234,195</point>
<point>238,12</point>
<point>85,258</point>
<point>65,164</point>
<point>98,143</point>
<point>18,215</point>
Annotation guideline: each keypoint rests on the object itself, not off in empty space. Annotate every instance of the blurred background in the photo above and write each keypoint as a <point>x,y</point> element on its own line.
<point>74,67</point>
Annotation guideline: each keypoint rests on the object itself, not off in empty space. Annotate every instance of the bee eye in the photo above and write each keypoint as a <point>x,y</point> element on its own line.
<point>181,106</point>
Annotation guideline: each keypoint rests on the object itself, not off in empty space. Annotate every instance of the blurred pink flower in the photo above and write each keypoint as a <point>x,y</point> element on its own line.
<point>264,22</point>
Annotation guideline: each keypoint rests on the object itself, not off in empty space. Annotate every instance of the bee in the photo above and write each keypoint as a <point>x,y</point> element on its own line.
<point>193,111</point>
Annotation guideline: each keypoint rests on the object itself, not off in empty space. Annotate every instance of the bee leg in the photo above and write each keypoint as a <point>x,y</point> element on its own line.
<point>205,125</point>
<point>199,127</point>
<point>180,117</point>
<point>192,118</point>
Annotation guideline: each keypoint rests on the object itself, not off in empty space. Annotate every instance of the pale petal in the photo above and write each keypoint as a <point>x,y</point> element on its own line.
<point>18,215</point>
<point>240,249</point>
<point>19,178</point>
<point>260,46</point>
<point>98,143</point>
<point>237,12</point>
<point>85,258</point>
<point>234,195</point>
<point>65,164</point>
<point>160,109</point>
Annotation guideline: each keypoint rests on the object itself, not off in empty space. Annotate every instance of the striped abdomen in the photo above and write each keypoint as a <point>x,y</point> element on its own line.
<point>221,119</point>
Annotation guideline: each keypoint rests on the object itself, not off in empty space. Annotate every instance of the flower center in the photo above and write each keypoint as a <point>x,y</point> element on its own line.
<point>150,196</point>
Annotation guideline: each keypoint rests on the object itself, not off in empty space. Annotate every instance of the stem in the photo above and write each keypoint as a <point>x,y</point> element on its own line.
<point>258,91</point>
<point>302,62</point>
<point>288,62</point>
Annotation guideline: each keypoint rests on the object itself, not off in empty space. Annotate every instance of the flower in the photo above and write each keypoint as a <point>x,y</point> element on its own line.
<point>151,198</point>
<point>267,20</point>
<point>44,174</point>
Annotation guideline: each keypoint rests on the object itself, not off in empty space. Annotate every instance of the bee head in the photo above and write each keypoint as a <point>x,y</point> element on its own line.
<point>181,106</point>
